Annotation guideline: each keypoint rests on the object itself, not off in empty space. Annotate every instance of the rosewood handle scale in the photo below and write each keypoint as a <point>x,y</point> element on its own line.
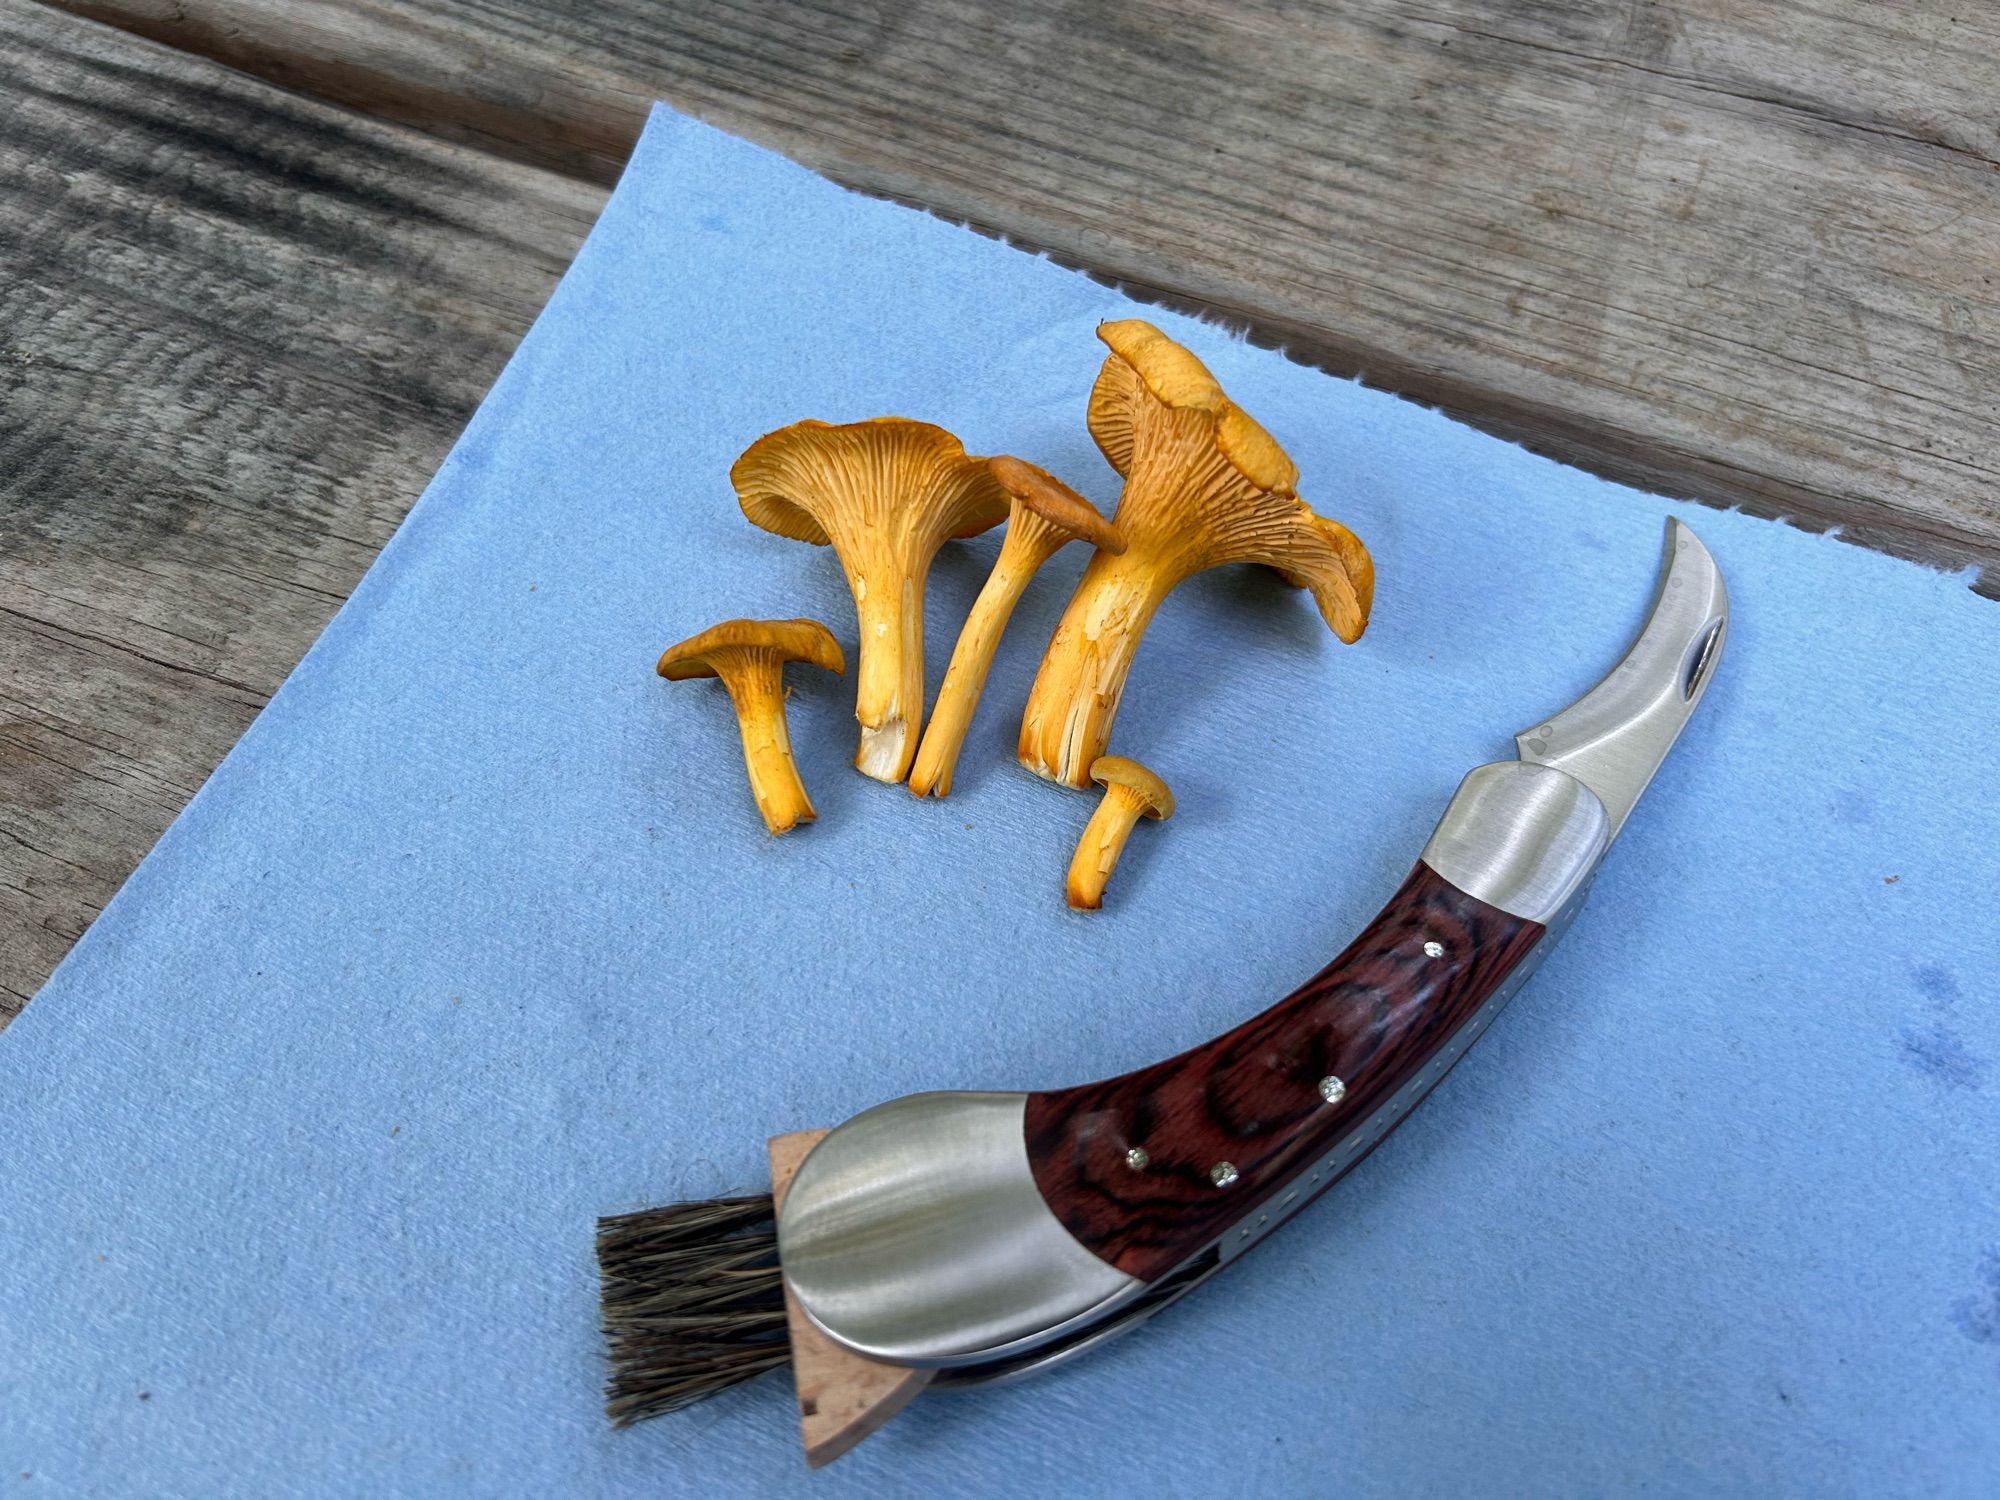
<point>1373,1018</point>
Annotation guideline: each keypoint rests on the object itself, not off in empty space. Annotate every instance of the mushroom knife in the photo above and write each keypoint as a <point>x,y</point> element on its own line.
<point>958,1238</point>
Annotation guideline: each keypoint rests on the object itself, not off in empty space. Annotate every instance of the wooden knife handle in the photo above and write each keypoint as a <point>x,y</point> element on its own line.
<point>1152,1167</point>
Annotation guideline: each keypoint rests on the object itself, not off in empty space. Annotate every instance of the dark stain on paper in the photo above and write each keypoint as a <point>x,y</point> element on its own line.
<point>1940,1054</point>
<point>1978,1316</point>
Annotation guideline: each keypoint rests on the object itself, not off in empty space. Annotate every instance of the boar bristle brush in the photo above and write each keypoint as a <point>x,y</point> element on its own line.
<point>692,1302</point>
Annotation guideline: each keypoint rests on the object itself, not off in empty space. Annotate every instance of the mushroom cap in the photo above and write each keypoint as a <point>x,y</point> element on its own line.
<point>707,654</point>
<point>1263,521</point>
<point>1055,502</point>
<point>1115,770</point>
<point>1143,358</point>
<point>784,477</point>
<point>1342,577</point>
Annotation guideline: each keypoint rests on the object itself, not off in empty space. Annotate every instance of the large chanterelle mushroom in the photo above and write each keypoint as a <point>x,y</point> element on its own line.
<point>886,494</point>
<point>1204,485</point>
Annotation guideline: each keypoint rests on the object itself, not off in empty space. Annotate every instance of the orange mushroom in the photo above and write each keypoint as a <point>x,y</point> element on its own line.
<point>1204,485</point>
<point>885,494</point>
<point>1131,792</point>
<point>1044,515</point>
<point>749,656</point>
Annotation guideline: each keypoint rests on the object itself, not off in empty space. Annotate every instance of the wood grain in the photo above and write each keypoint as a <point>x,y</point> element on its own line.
<point>1745,253</point>
<point>240,329</point>
<point>1374,1018</point>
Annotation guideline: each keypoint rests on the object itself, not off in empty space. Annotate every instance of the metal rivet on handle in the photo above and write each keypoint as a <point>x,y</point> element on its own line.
<point>1137,1159</point>
<point>1332,1089</point>
<point>1223,1173</point>
<point>1434,949</point>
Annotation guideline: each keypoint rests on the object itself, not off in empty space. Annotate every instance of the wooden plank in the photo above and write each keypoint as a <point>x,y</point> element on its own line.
<point>240,329</point>
<point>1743,253</point>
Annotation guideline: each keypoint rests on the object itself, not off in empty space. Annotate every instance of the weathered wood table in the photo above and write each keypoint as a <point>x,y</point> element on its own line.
<point>259,259</point>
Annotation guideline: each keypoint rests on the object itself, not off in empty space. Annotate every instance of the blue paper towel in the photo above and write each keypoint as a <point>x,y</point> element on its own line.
<point>477,935</point>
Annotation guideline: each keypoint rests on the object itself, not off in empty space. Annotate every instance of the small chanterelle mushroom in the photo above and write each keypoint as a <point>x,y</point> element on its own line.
<point>1204,485</point>
<point>886,494</point>
<point>1130,793</point>
<point>1044,514</point>
<point>749,656</point>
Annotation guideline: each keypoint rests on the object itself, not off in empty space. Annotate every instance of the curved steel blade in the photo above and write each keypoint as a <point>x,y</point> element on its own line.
<point>1614,737</point>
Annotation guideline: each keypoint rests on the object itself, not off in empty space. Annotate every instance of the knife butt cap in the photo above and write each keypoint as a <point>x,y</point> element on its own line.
<point>842,1396</point>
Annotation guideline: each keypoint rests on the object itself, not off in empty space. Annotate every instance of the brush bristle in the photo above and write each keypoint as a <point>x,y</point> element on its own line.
<point>693,1303</point>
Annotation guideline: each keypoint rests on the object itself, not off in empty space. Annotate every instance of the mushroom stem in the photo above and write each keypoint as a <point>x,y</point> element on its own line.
<point>1102,842</point>
<point>1021,554</point>
<point>1043,515</point>
<point>889,681</point>
<point>1075,698</point>
<point>757,690</point>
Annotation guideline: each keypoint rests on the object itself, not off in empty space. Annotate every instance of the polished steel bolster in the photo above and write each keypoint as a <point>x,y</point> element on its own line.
<point>1520,837</point>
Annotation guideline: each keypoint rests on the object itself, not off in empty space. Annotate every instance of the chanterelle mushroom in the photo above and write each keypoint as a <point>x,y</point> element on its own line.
<point>886,494</point>
<point>1044,514</point>
<point>749,656</point>
<point>1130,793</point>
<point>1204,485</point>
